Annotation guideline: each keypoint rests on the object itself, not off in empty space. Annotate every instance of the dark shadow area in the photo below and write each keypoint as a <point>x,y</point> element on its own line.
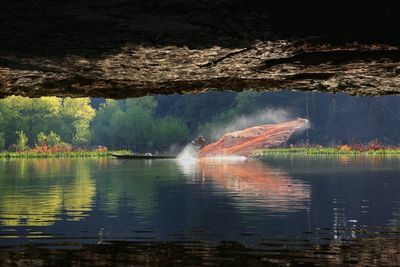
<point>94,27</point>
<point>333,57</point>
<point>372,251</point>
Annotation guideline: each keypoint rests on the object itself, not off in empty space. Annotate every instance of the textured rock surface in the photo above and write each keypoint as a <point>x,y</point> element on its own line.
<point>125,48</point>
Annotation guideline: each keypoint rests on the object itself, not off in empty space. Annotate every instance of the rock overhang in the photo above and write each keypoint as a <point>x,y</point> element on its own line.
<point>121,48</point>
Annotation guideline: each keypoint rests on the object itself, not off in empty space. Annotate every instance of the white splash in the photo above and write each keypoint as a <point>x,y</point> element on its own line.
<point>188,153</point>
<point>187,161</point>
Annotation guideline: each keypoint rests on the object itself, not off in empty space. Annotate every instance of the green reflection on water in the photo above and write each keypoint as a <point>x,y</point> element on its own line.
<point>135,183</point>
<point>34,192</point>
<point>39,192</point>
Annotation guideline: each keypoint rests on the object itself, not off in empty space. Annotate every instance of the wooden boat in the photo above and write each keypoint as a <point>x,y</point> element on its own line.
<point>143,156</point>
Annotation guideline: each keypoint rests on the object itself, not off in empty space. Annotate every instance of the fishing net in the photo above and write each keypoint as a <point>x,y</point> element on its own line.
<point>244,142</point>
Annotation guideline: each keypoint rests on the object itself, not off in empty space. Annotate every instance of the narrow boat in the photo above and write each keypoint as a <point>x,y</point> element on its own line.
<point>143,156</point>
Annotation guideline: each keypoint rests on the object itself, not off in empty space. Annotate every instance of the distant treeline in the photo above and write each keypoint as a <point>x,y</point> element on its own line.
<point>166,123</point>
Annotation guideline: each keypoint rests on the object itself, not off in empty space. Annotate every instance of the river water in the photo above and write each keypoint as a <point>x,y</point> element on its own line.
<point>278,211</point>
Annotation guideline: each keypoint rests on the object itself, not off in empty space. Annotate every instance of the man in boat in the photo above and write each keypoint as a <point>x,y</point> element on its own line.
<point>244,142</point>
<point>200,141</point>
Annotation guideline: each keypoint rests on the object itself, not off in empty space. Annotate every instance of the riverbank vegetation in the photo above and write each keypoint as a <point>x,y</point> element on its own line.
<point>66,154</point>
<point>165,124</point>
<point>72,154</point>
<point>373,148</point>
<point>63,125</point>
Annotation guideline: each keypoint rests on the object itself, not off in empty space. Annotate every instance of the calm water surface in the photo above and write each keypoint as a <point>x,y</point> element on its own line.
<point>279,211</point>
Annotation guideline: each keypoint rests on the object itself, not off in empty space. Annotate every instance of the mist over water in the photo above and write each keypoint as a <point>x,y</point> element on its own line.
<point>265,116</point>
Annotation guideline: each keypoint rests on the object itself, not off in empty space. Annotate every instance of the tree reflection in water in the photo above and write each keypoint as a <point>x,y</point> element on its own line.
<point>179,201</point>
<point>37,192</point>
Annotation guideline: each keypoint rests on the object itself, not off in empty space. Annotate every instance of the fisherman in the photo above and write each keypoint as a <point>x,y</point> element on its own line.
<point>200,141</point>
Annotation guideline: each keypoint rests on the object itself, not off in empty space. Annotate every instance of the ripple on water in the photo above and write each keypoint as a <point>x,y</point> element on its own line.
<point>232,212</point>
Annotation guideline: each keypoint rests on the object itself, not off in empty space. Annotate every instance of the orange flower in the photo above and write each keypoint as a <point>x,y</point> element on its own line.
<point>344,148</point>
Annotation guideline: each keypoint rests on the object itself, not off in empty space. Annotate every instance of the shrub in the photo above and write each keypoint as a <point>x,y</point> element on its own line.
<point>12,148</point>
<point>358,147</point>
<point>374,145</point>
<point>344,148</point>
<point>53,139</point>
<point>80,141</point>
<point>22,141</point>
<point>40,149</point>
<point>101,149</point>
<point>41,139</point>
<point>62,147</point>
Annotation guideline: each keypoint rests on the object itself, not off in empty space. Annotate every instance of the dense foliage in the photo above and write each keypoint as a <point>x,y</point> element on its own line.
<point>132,124</point>
<point>67,117</point>
<point>335,119</point>
<point>166,123</point>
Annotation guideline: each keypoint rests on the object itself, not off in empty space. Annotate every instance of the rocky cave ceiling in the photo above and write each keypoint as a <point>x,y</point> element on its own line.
<point>130,48</point>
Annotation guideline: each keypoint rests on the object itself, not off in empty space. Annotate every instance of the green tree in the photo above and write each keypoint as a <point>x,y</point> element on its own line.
<point>132,124</point>
<point>70,117</point>
<point>138,123</point>
<point>169,131</point>
<point>75,117</point>
<point>22,140</point>
<point>29,115</point>
<point>41,139</point>
<point>105,125</point>
<point>53,139</point>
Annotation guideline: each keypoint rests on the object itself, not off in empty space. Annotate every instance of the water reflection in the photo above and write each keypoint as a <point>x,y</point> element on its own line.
<point>253,183</point>
<point>78,195</point>
<point>302,210</point>
<point>39,192</point>
<point>132,186</point>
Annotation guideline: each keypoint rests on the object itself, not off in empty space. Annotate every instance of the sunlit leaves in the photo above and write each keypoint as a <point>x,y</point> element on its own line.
<point>126,124</point>
<point>79,113</point>
<point>22,140</point>
<point>69,118</point>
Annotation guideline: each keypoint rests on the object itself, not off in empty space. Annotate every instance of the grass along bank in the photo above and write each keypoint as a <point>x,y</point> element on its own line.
<point>70,154</point>
<point>326,151</point>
